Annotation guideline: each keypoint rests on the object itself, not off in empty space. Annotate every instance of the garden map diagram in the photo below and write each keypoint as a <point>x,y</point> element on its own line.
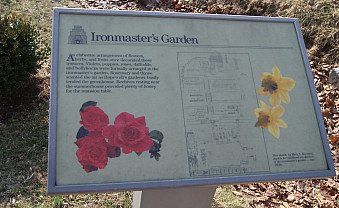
<point>218,98</point>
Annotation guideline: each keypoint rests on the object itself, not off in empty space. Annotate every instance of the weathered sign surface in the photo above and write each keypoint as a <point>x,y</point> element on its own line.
<point>149,100</point>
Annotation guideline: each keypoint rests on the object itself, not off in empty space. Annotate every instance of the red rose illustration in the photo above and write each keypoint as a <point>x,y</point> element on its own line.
<point>92,152</point>
<point>108,133</point>
<point>113,151</point>
<point>97,141</point>
<point>129,133</point>
<point>94,119</point>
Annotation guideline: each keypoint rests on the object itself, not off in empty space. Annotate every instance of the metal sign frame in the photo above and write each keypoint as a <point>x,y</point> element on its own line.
<point>54,188</point>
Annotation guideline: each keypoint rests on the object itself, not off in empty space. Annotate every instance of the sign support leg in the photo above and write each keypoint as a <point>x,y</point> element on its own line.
<point>186,197</point>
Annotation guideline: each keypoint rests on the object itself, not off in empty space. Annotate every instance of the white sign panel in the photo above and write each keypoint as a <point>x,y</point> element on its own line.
<point>149,100</point>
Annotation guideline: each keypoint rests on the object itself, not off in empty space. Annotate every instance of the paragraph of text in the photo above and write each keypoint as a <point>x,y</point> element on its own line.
<point>103,73</point>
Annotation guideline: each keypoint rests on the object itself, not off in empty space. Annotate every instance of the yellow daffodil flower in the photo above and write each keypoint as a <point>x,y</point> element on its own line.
<point>270,118</point>
<point>277,86</point>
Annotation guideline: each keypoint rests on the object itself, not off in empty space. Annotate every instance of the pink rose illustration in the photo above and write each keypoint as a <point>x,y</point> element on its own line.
<point>93,118</point>
<point>129,133</point>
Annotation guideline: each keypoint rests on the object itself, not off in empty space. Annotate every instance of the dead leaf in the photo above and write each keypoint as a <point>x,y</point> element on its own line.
<point>178,6</point>
<point>237,193</point>
<point>290,197</point>
<point>252,188</point>
<point>261,199</point>
<point>326,113</point>
<point>333,138</point>
<point>329,103</point>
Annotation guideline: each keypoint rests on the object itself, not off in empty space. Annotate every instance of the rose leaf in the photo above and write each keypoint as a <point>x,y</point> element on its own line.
<point>138,153</point>
<point>87,104</point>
<point>155,147</point>
<point>155,155</point>
<point>82,132</point>
<point>157,135</point>
<point>89,168</point>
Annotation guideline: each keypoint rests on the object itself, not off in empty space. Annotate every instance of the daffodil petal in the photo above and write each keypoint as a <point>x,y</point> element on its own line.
<point>277,112</point>
<point>285,97</point>
<point>286,83</point>
<point>274,130</point>
<point>264,75</point>
<point>262,92</point>
<point>263,105</point>
<point>281,123</point>
<point>275,99</point>
<point>276,73</point>
<point>257,111</point>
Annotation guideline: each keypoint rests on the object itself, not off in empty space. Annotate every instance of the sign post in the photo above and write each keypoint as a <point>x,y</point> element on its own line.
<point>173,104</point>
<point>184,197</point>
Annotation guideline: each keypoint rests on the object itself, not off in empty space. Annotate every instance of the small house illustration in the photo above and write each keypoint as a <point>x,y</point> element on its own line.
<point>77,36</point>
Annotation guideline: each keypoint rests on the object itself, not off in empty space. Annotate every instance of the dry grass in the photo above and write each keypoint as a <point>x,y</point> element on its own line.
<point>23,166</point>
<point>319,20</point>
<point>224,197</point>
<point>24,131</point>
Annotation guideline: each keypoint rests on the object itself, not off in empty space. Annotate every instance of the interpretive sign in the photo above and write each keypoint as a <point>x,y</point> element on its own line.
<point>151,100</point>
